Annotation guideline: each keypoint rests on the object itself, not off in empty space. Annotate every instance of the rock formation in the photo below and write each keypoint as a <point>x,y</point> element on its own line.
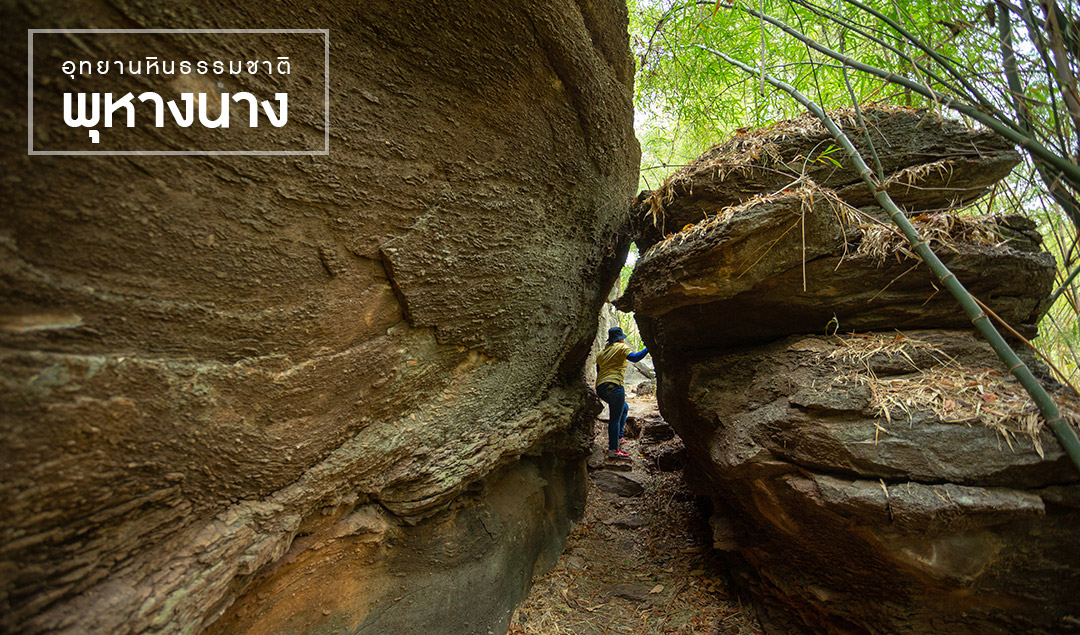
<point>321,394</point>
<point>964,164</point>
<point>873,467</point>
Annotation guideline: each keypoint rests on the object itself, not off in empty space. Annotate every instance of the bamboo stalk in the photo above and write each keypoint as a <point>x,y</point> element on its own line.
<point>1064,285</point>
<point>1064,432</point>
<point>847,25</point>
<point>934,55</point>
<point>858,110</point>
<point>1068,170</point>
<point>1027,126</point>
<point>1061,67</point>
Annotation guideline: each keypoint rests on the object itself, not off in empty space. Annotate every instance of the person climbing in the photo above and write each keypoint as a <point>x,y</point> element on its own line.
<point>610,374</point>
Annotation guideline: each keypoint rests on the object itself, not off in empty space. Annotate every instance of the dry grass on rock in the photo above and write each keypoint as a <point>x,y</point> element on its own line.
<point>881,241</point>
<point>954,392</point>
<point>757,149</point>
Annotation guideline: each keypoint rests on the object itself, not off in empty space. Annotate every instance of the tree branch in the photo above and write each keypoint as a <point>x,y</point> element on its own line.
<point>1068,170</point>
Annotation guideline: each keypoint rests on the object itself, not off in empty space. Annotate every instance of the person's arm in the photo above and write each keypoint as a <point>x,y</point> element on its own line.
<point>638,356</point>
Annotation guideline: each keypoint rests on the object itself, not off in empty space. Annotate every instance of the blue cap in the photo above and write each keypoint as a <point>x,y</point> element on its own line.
<point>615,334</point>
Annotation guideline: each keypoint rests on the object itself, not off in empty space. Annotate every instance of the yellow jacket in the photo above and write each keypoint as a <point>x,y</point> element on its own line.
<point>611,364</point>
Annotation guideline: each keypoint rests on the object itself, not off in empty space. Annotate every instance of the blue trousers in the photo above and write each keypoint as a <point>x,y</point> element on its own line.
<point>615,396</point>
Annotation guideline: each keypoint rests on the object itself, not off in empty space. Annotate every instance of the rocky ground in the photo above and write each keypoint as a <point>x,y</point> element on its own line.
<point>639,562</point>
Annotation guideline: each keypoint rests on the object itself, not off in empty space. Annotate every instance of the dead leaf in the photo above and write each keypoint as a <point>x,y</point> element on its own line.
<point>656,589</point>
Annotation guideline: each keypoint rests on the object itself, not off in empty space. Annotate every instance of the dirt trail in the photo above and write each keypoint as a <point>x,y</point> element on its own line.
<point>636,564</point>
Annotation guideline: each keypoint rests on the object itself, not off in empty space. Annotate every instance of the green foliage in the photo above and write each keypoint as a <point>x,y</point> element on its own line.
<point>1012,64</point>
<point>626,320</point>
<point>688,99</point>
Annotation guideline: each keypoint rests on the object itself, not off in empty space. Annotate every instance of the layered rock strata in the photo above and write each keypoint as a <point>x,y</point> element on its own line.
<point>929,163</point>
<point>294,394</point>
<point>873,467</point>
<point>882,483</point>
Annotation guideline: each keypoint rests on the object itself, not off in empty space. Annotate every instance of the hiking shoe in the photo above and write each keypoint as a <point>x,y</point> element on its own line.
<point>617,454</point>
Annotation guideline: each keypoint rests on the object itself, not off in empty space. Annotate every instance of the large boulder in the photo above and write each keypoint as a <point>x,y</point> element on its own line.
<point>284,393</point>
<point>928,163</point>
<point>888,483</point>
<point>893,482</point>
<point>803,261</point>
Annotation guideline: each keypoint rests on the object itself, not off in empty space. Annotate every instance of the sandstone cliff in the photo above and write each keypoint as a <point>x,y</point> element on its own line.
<point>333,393</point>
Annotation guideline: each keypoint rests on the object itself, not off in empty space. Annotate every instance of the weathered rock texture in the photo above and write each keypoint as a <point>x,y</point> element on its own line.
<point>892,483</point>
<point>293,394</point>
<point>851,522</point>
<point>929,163</point>
<point>454,574</point>
<point>800,261</point>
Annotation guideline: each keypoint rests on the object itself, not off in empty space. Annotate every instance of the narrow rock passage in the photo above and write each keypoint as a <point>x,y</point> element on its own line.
<point>639,561</point>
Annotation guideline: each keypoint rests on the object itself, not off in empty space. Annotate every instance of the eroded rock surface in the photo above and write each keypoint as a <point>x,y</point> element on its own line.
<point>893,481</point>
<point>222,374</point>
<point>452,573</point>
<point>928,162</point>
<point>801,261</point>
<point>922,521</point>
